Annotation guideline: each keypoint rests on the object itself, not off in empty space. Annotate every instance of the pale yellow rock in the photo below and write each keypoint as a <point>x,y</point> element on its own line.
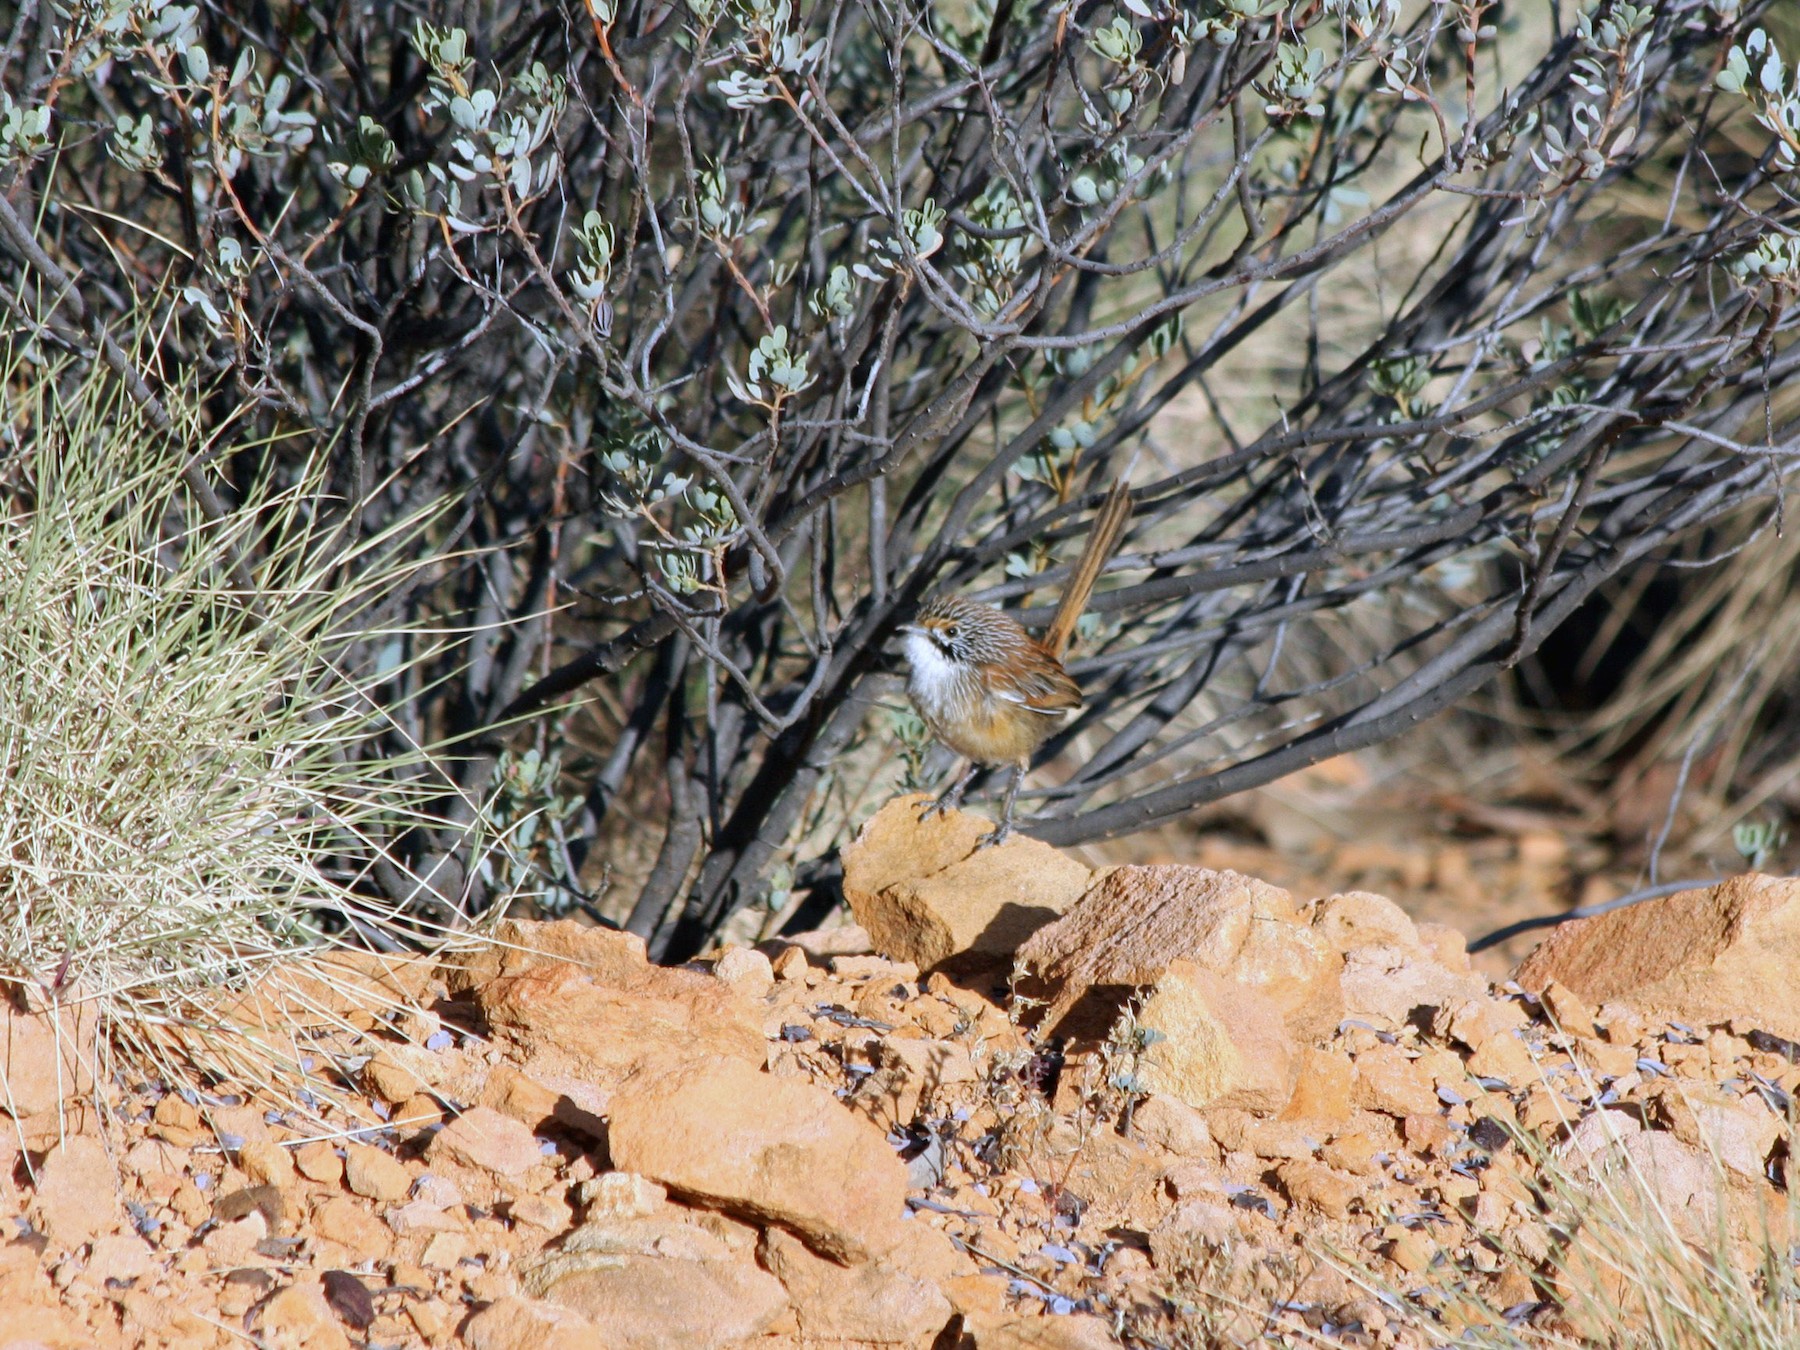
<point>926,894</point>
<point>749,972</point>
<point>621,1195</point>
<point>1134,921</point>
<point>1222,1045</point>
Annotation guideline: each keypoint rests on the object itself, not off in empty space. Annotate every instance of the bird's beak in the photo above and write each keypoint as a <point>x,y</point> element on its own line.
<point>909,628</point>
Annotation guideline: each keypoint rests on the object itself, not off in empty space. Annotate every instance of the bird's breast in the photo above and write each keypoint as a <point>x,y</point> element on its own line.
<point>955,704</point>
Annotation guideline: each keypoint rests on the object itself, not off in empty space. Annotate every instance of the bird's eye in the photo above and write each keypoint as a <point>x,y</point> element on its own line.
<point>950,631</point>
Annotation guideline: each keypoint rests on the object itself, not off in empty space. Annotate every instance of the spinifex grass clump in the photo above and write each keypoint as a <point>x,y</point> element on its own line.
<point>186,792</point>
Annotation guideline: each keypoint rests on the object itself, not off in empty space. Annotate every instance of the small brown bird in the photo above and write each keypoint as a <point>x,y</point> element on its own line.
<point>989,690</point>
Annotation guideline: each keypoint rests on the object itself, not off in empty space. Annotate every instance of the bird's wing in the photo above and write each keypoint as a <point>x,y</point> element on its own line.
<point>1044,689</point>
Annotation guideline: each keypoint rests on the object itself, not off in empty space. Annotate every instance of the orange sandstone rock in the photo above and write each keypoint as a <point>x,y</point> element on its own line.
<point>771,1149</point>
<point>1134,921</point>
<point>1700,956</point>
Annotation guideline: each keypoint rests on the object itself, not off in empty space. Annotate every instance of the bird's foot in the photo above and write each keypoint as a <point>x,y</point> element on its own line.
<point>996,836</point>
<point>941,805</point>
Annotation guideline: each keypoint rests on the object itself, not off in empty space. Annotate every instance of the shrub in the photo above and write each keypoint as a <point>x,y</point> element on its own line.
<point>744,326</point>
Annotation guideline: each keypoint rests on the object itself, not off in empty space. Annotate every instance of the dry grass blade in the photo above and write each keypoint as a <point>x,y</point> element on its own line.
<point>1652,1247</point>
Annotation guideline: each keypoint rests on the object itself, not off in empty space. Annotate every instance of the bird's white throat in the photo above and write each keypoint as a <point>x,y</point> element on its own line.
<point>932,678</point>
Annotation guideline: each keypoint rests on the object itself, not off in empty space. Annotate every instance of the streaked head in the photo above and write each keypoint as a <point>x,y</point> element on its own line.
<point>947,628</point>
<point>963,632</point>
<point>946,644</point>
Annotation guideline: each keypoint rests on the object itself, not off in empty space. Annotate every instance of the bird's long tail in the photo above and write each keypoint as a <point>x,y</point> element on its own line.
<point>1103,539</point>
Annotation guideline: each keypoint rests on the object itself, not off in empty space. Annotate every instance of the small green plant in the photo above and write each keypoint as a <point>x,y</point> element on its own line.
<point>914,744</point>
<point>1122,1057</point>
<point>1758,841</point>
<point>527,813</point>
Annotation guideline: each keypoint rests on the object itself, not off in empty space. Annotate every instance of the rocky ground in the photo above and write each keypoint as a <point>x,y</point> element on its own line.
<point>1017,1104</point>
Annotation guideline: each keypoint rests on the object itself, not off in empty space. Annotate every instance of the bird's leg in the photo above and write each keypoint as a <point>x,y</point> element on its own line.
<point>1003,830</point>
<point>951,798</point>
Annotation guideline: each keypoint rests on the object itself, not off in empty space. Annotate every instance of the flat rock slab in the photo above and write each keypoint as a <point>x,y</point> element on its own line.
<point>772,1149</point>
